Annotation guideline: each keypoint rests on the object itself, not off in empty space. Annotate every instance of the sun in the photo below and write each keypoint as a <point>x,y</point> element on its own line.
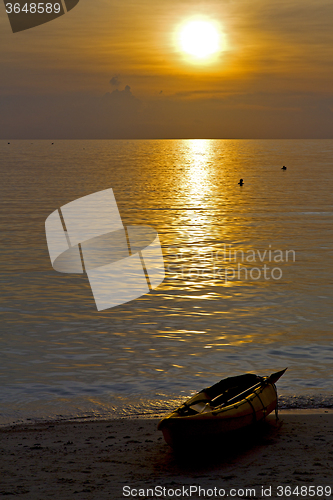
<point>200,39</point>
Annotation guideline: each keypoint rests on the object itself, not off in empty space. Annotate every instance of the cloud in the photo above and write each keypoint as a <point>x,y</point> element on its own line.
<point>121,115</point>
<point>121,97</point>
<point>119,112</point>
<point>115,82</point>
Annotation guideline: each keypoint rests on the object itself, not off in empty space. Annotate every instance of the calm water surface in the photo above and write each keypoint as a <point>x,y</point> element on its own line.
<point>219,312</point>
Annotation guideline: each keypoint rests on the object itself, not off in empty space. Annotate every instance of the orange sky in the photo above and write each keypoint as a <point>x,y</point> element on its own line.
<point>273,79</point>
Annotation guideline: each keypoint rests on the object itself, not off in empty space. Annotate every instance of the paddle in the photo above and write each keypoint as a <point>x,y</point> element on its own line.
<point>272,379</point>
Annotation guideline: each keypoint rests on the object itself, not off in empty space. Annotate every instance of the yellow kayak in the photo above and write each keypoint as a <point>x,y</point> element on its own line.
<point>230,405</point>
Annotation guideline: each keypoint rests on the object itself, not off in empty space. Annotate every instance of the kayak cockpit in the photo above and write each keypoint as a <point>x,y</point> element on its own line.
<point>221,394</point>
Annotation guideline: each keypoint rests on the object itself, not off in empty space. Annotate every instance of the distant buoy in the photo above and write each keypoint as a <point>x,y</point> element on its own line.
<point>241,182</point>
<point>9,143</point>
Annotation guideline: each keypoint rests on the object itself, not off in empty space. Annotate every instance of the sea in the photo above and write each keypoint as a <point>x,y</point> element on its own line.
<point>248,276</point>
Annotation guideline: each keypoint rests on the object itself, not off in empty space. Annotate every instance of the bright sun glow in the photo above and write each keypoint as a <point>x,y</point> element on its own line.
<point>200,39</point>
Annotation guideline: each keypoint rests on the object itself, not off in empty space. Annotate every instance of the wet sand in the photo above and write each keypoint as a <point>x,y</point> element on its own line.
<point>96,460</point>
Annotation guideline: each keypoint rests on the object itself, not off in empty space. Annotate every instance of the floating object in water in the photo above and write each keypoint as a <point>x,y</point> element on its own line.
<point>241,182</point>
<point>230,405</point>
<point>284,168</point>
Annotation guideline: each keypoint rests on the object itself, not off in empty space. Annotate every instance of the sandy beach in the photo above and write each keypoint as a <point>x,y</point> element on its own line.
<point>123,458</point>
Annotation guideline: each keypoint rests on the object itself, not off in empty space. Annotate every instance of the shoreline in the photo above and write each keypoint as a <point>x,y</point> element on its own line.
<point>157,416</point>
<point>154,416</point>
<point>96,459</point>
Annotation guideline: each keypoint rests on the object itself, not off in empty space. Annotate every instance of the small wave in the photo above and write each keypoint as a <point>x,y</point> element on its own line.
<point>314,213</point>
<point>307,402</point>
